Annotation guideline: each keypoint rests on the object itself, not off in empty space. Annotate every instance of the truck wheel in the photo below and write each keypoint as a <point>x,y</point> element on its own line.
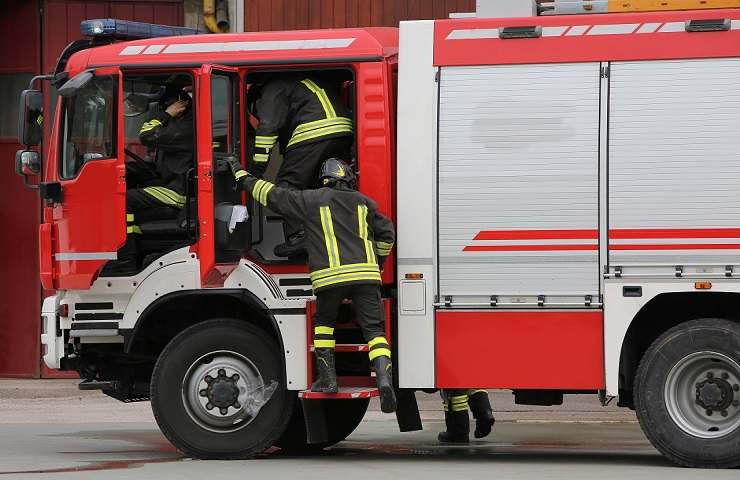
<point>343,417</point>
<point>687,393</point>
<point>208,384</point>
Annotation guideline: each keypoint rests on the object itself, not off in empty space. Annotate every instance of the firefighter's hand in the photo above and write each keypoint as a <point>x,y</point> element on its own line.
<point>177,108</point>
<point>236,169</point>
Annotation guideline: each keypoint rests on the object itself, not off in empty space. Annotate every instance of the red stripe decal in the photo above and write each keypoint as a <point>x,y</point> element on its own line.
<point>527,248</point>
<point>679,246</point>
<point>537,235</point>
<point>627,233</point>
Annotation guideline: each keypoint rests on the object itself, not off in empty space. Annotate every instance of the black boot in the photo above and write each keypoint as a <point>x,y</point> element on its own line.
<point>326,381</point>
<point>458,428</point>
<point>383,369</point>
<point>294,247</point>
<point>127,263</point>
<point>480,406</point>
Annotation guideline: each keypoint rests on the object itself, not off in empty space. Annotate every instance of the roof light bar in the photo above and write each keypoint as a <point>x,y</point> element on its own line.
<point>126,30</point>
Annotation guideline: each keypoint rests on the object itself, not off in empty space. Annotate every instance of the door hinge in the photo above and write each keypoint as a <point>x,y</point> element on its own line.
<point>605,71</point>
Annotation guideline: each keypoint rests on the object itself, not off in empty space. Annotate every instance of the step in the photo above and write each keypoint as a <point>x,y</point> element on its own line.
<point>348,347</point>
<point>344,393</point>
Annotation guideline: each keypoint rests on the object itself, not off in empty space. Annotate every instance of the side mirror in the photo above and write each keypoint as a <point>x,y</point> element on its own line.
<point>31,118</point>
<point>73,85</point>
<point>27,163</point>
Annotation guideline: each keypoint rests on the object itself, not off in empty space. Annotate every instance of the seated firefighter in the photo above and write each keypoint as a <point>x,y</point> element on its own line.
<point>168,136</point>
<point>347,240</point>
<point>309,122</point>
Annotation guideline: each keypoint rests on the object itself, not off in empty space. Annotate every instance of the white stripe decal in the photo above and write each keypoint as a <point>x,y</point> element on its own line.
<point>132,50</point>
<point>473,34</point>
<point>577,30</point>
<point>553,31</point>
<point>70,256</point>
<point>648,28</point>
<point>218,47</point>
<point>618,29</point>
<point>735,25</point>
<point>672,27</point>
<point>154,49</point>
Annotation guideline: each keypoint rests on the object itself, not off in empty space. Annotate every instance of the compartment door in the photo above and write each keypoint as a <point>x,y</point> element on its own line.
<point>518,184</point>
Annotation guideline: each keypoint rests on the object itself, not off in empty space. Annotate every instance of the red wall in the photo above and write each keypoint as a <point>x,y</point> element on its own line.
<point>21,51</point>
<point>309,14</point>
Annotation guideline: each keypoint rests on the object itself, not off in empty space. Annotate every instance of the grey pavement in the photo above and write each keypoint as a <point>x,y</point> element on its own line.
<point>49,430</point>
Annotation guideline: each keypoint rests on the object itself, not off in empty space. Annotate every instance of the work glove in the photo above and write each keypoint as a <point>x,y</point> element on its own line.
<point>236,169</point>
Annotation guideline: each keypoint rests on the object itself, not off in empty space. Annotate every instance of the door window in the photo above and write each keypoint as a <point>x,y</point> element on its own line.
<point>89,125</point>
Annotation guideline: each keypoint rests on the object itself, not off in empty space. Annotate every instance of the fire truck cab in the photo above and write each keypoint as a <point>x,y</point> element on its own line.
<point>564,193</point>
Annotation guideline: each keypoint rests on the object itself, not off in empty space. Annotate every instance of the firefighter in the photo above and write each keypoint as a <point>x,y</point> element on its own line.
<point>347,241</point>
<point>306,119</point>
<point>456,404</point>
<point>170,135</point>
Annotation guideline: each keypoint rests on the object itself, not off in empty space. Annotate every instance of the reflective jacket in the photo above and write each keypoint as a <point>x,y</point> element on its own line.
<point>295,111</point>
<point>173,140</point>
<point>345,233</point>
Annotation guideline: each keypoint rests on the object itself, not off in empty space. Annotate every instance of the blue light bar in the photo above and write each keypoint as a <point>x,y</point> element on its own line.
<point>126,30</point>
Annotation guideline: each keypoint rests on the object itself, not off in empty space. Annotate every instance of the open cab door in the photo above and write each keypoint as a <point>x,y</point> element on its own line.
<point>222,210</point>
<point>84,188</point>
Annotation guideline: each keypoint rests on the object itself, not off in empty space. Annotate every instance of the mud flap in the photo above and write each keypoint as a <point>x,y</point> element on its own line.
<point>314,415</point>
<point>407,411</point>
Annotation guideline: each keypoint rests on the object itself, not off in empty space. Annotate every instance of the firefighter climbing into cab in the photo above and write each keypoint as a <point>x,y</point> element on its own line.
<point>347,240</point>
<point>305,117</point>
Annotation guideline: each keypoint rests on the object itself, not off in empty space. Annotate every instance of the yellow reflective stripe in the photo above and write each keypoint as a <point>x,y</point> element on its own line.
<point>260,191</point>
<point>362,226</point>
<point>133,229</point>
<point>343,278</point>
<point>265,191</point>
<point>332,249</point>
<point>460,407</point>
<point>326,122</point>
<point>323,330</point>
<point>459,399</point>
<point>129,217</point>
<point>383,248</point>
<point>319,132</point>
<point>265,142</point>
<point>150,125</point>
<point>321,95</point>
<point>350,268</point>
<point>474,392</point>
<point>166,196</point>
<point>376,341</point>
<point>239,174</point>
<point>261,157</point>
<point>324,343</point>
<point>379,352</point>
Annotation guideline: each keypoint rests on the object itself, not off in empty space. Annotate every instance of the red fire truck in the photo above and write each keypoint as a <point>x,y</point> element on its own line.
<point>565,194</point>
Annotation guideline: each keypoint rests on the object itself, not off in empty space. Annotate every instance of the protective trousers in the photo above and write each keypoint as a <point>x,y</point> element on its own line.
<point>301,166</point>
<point>370,315</point>
<point>456,404</point>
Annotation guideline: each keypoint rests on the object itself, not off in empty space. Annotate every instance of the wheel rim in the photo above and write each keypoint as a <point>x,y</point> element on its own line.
<point>219,389</point>
<point>702,394</point>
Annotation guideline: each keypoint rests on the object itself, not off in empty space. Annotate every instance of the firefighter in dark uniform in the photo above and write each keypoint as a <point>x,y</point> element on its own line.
<point>347,240</point>
<point>169,134</point>
<point>305,117</point>
<point>456,404</point>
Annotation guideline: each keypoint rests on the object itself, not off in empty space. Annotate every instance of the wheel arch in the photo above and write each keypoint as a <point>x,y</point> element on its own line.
<point>661,313</point>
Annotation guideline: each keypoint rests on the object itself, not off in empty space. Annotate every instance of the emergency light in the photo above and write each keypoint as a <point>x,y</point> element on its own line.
<point>126,30</point>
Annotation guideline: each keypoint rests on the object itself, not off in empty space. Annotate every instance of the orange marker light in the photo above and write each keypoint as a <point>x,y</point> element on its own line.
<point>702,285</point>
<point>414,276</point>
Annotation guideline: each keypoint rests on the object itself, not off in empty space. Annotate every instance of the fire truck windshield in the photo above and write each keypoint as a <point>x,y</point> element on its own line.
<point>88,124</point>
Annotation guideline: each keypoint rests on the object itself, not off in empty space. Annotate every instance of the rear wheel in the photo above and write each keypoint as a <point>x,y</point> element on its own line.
<point>217,391</point>
<point>687,394</point>
<point>343,417</point>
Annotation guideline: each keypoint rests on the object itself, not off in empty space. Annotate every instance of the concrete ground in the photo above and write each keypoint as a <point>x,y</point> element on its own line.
<point>49,429</point>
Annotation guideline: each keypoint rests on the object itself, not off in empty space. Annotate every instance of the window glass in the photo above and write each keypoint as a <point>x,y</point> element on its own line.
<point>11,86</point>
<point>89,125</point>
<point>224,115</point>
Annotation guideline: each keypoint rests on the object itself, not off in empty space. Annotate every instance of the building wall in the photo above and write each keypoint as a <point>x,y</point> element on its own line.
<point>262,15</point>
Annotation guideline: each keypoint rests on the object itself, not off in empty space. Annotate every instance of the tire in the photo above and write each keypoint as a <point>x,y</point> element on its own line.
<point>179,386</point>
<point>689,370</point>
<point>343,417</point>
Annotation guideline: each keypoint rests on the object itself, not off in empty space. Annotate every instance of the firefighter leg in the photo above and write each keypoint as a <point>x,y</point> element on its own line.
<point>299,171</point>
<point>127,262</point>
<point>370,316</point>
<point>457,421</point>
<point>327,308</point>
<point>480,407</point>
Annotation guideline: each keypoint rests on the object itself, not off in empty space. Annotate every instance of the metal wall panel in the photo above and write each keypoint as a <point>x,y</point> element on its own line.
<point>518,158</point>
<point>262,15</point>
<point>673,162</point>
